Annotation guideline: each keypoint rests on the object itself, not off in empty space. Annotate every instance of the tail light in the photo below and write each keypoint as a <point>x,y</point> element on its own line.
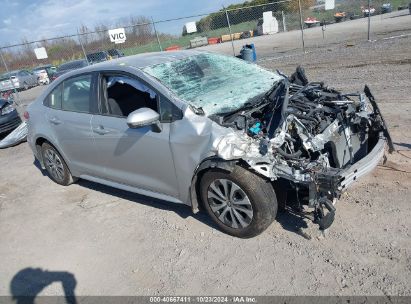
<point>26,115</point>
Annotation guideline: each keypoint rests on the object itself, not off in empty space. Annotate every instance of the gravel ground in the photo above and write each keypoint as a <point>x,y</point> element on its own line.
<point>118,243</point>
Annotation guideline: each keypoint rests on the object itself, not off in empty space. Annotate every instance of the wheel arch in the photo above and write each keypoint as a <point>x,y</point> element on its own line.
<point>39,142</point>
<point>213,162</point>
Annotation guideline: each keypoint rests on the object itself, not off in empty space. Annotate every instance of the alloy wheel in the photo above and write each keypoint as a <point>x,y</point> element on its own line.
<point>229,203</point>
<point>54,164</point>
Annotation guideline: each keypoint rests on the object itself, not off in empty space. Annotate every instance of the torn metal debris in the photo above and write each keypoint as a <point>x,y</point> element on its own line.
<point>308,134</point>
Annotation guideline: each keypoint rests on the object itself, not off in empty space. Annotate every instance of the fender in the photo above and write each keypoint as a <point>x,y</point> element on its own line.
<point>208,163</point>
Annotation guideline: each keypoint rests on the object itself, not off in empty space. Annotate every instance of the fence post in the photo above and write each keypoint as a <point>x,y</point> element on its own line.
<point>12,83</point>
<point>155,31</point>
<point>82,47</point>
<point>284,25</point>
<point>369,21</point>
<point>301,25</point>
<point>229,29</point>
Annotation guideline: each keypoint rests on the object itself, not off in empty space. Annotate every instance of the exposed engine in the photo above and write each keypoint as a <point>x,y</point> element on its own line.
<point>305,133</point>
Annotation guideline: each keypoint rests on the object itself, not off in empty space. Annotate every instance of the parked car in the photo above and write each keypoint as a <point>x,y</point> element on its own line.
<point>98,57</point>
<point>386,8</point>
<point>44,73</point>
<point>69,66</point>
<point>19,80</point>
<point>208,130</point>
<point>9,118</point>
<point>115,53</point>
<point>368,12</point>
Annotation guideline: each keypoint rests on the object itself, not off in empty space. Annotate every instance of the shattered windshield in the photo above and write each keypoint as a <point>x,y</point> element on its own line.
<point>213,82</point>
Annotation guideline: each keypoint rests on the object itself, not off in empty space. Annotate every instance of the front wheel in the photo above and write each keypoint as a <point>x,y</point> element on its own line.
<point>241,203</point>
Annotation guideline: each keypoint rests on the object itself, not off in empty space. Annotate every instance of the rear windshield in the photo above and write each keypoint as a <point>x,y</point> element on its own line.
<point>7,76</point>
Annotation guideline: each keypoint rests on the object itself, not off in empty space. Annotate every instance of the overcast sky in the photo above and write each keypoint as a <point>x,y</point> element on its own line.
<point>49,18</point>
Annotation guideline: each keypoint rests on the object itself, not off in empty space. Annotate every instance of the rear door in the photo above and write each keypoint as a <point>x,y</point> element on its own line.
<point>71,106</point>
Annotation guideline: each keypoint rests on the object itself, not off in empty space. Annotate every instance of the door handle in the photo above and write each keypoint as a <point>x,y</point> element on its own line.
<point>100,130</point>
<point>55,121</point>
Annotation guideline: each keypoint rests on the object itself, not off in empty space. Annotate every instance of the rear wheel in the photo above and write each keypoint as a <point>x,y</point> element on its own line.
<point>55,165</point>
<point>241,203</point>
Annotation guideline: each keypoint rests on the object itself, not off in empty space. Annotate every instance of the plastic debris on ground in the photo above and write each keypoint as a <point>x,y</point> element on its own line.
<point>17,136</point>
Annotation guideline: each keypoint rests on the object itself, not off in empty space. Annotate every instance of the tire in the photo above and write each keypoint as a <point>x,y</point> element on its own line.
<point>251,205</point>
<point>55,165</point>
<point>25,86</point>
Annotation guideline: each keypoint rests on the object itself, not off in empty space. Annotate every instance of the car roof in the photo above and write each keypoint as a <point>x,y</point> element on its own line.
<point>99,52</point>
<point>43,66</point>
<point>78,60</point>
<point>11,73</point>
<point>139,61</point>
<point>143,60</point>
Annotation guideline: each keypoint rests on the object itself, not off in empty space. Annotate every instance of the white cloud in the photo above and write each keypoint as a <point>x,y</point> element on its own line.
<point>54,18</point>
<point>50,18</point>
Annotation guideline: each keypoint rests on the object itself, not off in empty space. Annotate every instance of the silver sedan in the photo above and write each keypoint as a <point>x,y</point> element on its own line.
<point>19,80</point>
<point>209,131</point>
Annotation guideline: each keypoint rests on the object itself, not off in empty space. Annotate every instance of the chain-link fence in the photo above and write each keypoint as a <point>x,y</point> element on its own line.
<point>352,15</point>
<point>275,28</point>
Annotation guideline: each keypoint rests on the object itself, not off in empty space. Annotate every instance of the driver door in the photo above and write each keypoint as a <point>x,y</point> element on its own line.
<point>140,157</point>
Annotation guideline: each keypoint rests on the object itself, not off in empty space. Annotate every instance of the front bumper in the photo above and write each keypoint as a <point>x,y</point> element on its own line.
<point>332,182</point>
<point>363,166</point>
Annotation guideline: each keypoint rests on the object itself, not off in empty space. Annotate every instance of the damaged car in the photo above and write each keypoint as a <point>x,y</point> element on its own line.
<point>9,118</point>
<point>209,131</point>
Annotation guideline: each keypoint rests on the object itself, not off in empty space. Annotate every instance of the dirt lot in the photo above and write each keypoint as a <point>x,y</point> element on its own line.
<point>382,26</point>
<point>118,243</point>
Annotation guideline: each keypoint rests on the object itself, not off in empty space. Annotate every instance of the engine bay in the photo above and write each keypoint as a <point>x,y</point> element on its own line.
<point>305,133</point>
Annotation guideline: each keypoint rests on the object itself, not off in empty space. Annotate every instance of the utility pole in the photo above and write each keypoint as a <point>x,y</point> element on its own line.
<point>229,29</point>
<point>11,81</point>
<point>155,30</point>
<point>301,25</point>
<point>369,17</point>
<point>82,47</point>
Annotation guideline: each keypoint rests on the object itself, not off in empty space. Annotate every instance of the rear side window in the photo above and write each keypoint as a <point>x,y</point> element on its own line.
<point>53,100</point>
<point>77,94</point>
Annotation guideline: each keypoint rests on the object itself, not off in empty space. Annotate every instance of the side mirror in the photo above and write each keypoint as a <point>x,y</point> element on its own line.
<point>144,117</point>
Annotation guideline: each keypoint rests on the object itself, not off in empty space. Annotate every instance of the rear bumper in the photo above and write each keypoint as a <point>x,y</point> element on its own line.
<point>5,88</point>
<point>363,166</point>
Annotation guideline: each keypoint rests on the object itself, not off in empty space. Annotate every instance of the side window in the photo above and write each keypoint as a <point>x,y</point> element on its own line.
<point>169,111</point>
<point>77,94</point>
<point>124,95</point>
<point>53,100</point>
